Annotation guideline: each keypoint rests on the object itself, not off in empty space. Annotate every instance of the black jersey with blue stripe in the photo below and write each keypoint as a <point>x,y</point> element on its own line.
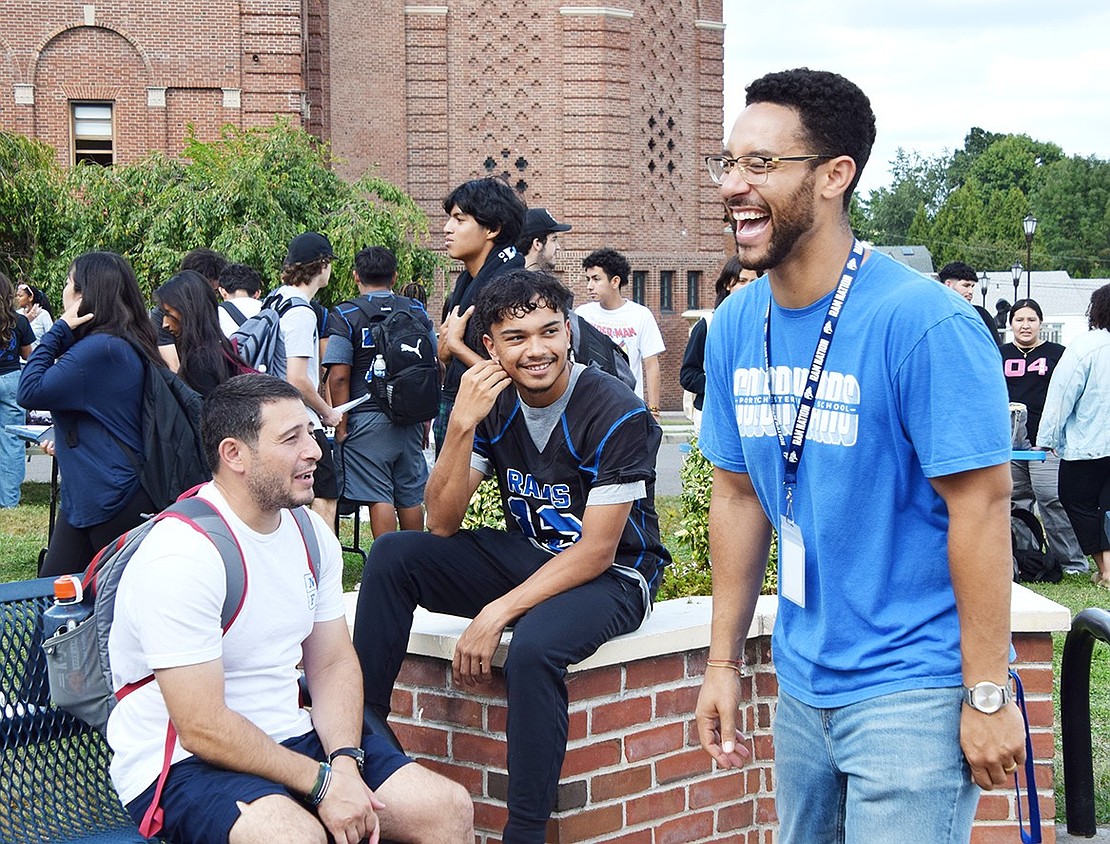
<point>605,437</point>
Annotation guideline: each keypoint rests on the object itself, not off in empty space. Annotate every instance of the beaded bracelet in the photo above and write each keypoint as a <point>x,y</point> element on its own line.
<point>320,787</point>
<point>732,664</point>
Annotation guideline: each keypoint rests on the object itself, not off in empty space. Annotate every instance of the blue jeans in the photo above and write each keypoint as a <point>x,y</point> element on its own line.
<point>885,769</point>
<point>13,453</point>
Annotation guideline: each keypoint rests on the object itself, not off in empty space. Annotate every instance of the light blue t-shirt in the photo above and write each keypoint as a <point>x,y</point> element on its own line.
<point>912,389</point>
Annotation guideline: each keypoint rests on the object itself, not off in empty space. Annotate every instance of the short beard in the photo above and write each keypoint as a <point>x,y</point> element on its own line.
<point>270,495</point>
<point>790,224</point>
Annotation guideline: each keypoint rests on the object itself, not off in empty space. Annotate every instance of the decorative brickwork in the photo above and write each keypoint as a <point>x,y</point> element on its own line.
<point>599,113</point>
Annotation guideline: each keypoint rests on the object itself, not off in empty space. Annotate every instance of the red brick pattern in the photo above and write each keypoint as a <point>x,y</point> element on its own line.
<point>633,746</point>
<point>193,49</point>
<point>601,117</point>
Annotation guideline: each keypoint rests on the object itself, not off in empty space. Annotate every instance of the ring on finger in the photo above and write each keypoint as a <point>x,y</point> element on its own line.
<point>1009,770</point>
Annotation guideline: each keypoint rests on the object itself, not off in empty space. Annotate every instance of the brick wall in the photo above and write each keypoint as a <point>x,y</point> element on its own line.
<point>634,771</point>
<point>115,51</point>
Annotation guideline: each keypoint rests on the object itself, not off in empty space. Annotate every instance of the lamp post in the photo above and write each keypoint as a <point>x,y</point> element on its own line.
<point>1029,225</point>
<point>1015,274</point>
<point>983,287</point>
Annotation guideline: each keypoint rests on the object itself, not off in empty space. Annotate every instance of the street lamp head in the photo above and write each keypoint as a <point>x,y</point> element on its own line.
<point>1015,273</point>
<point>983,283</point>
<point>1029,224</point>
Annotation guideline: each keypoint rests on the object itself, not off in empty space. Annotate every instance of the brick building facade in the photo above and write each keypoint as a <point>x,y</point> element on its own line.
<point>600,114</point>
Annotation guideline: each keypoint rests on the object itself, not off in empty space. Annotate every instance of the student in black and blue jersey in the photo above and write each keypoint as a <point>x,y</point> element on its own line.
<point>573,452</point>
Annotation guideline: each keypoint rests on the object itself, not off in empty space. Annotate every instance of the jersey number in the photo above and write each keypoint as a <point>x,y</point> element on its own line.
<point>1016,367</point>
<point>554,530</point>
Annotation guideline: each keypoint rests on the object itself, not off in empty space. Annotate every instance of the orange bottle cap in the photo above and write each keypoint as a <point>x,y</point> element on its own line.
<point>67,588</point>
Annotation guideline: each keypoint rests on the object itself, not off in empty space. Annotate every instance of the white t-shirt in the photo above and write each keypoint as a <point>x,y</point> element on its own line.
<point>247,305</point>
<point>302,337</point>
<point>168,614</point>
<point>632,327</point>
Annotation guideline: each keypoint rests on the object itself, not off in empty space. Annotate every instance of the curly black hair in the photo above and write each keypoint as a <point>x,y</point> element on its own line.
<point>835,114</point>
<point>493,204</point>
<point>611,261</point>
<point>516,294</point>
<point>1098,314</point>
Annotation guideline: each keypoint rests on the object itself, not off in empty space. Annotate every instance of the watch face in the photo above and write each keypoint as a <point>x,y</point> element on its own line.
<point>987,697</point>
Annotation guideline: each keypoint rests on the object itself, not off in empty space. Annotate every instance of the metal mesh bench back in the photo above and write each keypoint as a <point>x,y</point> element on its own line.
<point>54,784</point>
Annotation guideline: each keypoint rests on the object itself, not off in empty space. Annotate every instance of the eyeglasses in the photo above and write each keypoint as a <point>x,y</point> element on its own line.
<point>754,168</point>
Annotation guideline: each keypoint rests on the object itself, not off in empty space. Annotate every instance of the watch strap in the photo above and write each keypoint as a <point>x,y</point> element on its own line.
<point>355,753</point>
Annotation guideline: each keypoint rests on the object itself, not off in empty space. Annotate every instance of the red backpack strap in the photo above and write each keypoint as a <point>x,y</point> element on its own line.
<point>204,518</point>
<point>152,820</point>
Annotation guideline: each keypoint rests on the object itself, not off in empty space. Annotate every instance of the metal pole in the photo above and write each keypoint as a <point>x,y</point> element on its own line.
<point>1075,718</point>
<point>1028,267</point>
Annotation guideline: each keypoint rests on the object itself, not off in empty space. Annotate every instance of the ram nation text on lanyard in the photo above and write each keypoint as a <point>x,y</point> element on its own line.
<point>792,552</point>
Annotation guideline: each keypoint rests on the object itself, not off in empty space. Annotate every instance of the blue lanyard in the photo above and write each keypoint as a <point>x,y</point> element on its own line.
<point>1033,836</point>
<point>792,450</point>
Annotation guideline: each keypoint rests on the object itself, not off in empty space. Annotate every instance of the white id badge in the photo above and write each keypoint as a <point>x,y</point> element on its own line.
<point>792,562</point>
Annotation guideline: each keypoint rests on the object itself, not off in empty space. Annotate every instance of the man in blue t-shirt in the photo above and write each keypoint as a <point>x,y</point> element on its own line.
<point>865,419</point>
<point>379,462</point>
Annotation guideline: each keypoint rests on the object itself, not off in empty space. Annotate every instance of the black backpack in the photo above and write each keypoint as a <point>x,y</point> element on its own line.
<point>1030,549</point>
<point>593,348</point>
<point>409,392</point>
<point>173,457</point>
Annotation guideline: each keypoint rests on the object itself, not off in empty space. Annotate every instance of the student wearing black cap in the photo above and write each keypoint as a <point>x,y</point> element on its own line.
<point>539,242</point>
<point>305,271</point>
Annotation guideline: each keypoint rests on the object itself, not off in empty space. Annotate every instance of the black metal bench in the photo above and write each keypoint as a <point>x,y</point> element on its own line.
<point>54,785</point>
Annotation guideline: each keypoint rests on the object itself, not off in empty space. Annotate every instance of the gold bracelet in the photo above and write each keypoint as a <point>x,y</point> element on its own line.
<point>653,408</point>
<point>731,664</point>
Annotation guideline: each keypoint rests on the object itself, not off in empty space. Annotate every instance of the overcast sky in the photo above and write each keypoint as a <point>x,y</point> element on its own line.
<point>935,68</point>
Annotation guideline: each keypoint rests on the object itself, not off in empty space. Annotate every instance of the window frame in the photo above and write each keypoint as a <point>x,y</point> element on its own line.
<point>79,153</point>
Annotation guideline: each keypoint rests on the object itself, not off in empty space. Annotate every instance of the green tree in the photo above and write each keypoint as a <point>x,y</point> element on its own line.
<point>245,194</point>
<point>1072,205</point>
<point>917,181</point>
<point>29,200</point>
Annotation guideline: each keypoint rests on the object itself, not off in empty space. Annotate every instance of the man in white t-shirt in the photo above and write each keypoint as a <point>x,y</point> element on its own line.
<point>240,287</point>
<point>631,325</point>
<point>307,269</point>
<point>249,763</point>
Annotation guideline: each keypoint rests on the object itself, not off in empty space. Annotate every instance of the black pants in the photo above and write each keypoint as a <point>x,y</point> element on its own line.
<point>1085,493</point>
<point>72,549</point>
<point>460,575</point>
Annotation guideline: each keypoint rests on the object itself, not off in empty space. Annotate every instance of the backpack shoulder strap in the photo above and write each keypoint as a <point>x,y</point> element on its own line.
<point>205,518</point>
<point>233,312</point>
<point>1031,522</point>
<point>311,542</point>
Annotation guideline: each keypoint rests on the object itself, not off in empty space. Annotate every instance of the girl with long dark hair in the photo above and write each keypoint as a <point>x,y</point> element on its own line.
<point>88,371</point>
<point>16,338</point>
<point>189,309</point>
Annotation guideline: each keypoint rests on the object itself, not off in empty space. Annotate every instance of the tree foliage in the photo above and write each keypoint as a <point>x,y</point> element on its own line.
<point>245,194</point>
<point>968,206</point>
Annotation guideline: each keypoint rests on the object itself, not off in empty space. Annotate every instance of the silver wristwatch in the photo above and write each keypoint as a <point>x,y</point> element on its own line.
<point>987,697</point>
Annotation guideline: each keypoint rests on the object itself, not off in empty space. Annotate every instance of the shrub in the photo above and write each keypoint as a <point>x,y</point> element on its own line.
<point>694,576</point>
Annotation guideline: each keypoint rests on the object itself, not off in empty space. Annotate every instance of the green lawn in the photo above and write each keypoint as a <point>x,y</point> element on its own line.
<point>23,533</point>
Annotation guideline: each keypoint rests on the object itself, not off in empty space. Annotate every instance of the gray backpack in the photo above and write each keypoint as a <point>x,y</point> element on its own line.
<point>78,669</point>
<point>259,341</point>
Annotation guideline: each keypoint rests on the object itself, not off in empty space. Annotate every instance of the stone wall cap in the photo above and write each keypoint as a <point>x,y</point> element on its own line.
<point>682,624</point>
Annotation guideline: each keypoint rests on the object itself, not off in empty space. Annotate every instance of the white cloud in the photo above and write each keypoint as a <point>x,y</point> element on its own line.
<point>937,68</point>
